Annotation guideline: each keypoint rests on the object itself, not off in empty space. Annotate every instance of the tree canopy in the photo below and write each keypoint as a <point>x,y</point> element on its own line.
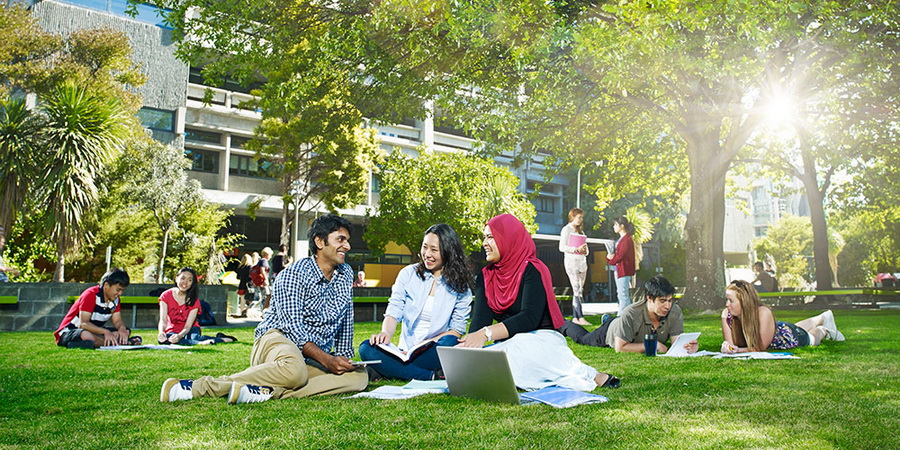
<point>649,87</point>
<point>463,191</point>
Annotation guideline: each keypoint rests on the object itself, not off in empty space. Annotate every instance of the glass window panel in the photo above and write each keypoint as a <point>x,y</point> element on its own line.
<point>157,119</point>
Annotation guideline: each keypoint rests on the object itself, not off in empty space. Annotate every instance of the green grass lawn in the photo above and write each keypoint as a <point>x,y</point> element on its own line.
<point>840,394</point>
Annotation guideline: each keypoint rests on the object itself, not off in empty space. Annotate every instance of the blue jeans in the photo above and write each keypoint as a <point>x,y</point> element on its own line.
<point>420,368</point>
<point>193,337</point>
<point>623,284</point>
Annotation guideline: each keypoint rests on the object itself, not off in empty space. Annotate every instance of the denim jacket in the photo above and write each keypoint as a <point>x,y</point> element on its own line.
<point>450,312</point>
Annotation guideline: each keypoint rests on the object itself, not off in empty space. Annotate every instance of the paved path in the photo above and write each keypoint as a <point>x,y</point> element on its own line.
<point>596,309</point>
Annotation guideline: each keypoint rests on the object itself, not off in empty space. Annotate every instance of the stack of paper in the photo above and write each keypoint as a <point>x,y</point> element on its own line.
<point>412,389</point>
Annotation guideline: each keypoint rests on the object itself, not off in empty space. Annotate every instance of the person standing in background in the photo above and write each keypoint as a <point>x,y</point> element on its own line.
<point>244,285</point>
<point>575,260</point>
<point>279,261</point>
<point>624,261</point>
<point>265,289</point>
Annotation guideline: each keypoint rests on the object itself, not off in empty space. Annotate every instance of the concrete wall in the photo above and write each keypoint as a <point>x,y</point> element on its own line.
<point>153,47</point>
<point>42,306</point>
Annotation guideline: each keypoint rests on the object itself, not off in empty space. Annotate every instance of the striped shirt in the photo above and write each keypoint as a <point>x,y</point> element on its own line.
<point>307,307</point>
<point>91,301</point>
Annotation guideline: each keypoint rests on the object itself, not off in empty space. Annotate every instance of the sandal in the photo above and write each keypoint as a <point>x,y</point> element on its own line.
<point>135,340</point>
<point>224,336</point>
<point>611,382</point>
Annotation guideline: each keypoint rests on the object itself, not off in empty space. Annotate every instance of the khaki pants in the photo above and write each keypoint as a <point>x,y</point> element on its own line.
<point>276,362</point>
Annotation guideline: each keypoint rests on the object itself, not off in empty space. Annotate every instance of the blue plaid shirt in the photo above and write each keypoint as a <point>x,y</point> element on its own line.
<point>307,307</point>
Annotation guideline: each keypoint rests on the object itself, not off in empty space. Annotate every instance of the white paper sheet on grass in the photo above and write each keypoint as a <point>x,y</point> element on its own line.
<point>149,347</point>
<point>412,389</point>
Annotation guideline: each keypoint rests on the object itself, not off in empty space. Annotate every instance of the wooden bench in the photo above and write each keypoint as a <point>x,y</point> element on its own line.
<point>877,292</point>
<point>373,302</point>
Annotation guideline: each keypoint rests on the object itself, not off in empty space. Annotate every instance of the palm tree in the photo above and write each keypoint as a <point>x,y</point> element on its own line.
<point>19,143</point>
<point>82,134</point>
<point>643,232</point>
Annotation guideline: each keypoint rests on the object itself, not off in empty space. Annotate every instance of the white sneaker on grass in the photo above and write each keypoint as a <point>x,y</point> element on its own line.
<point>248,393</point>
<point>174,389</point>
<point>831,326</point>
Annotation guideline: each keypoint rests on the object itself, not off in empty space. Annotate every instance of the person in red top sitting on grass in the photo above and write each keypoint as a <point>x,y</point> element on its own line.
<point>82,327</point>
<point>178,311</point>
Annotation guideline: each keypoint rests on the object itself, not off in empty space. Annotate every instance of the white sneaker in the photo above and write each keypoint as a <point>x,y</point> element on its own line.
<point>831,326</point>
<point>248,393</point>
<point>174,389</point>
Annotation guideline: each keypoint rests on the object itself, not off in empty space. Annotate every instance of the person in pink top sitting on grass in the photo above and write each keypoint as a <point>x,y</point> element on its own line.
<point>178,311</point>
<point>750,326</point>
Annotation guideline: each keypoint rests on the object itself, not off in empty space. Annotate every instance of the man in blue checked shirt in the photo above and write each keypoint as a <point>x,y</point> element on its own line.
<point>305,341</point>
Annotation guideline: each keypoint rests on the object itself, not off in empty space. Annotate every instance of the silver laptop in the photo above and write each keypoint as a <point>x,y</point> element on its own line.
<point>478,373</point>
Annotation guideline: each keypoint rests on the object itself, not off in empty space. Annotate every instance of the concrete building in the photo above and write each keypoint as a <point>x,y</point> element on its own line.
<point>749,216</point>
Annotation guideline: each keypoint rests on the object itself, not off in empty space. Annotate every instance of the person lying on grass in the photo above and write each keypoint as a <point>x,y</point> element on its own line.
<point>304,343</point>
<point>750,326</point>
<point>432,300</point>
<point>178,311</point>
<point>516,290</point>
<point>656,313</point>
<point>83,325</point>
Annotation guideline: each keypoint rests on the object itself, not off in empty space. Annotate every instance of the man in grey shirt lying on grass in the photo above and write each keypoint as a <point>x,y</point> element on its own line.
<point>656,312</point>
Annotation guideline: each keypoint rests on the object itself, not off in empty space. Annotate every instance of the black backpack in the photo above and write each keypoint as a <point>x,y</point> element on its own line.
<point>206,317</point>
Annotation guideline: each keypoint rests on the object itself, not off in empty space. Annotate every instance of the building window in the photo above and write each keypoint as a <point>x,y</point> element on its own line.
<point>248,167</point>
<point>157,119</point>
<point>239,141</point>
<point>203,160</point>
<point>202,137</point>
<point>546,205</point>
<point>376,183</point>
<point>141,11</point>
<point>195,76</point>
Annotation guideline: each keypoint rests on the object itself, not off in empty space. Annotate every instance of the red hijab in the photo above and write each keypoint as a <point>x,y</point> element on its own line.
<point>503,278</point>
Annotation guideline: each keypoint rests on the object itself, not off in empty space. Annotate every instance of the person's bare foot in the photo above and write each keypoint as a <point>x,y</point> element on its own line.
<point>581,321</point>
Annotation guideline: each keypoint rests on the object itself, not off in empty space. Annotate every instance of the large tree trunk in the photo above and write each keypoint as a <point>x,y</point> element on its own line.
<point>286,220</point>
<point>816,199</point>
<point>162,257</point>
<point>704,229</point>
<point>59,275</point>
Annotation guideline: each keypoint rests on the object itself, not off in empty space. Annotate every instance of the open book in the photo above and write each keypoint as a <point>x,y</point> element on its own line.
<point>413,352</point>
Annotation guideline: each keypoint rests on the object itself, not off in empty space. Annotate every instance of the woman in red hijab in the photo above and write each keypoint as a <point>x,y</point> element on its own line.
<point>516,290</point>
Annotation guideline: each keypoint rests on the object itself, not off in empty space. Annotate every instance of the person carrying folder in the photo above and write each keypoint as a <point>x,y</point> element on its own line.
<point>575,260</point>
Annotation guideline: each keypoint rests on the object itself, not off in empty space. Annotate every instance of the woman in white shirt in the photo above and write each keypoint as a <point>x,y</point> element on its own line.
<point>575,261</point>
<point>431,300</point>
